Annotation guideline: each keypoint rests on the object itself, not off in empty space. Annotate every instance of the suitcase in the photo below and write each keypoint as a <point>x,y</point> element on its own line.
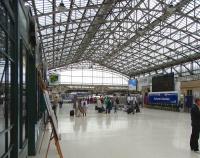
<point>137,109</point>
<point>130,110</point>
<point>72,113</point>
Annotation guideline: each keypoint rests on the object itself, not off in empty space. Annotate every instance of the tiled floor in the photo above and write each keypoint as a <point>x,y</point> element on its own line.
<point>149,134</point>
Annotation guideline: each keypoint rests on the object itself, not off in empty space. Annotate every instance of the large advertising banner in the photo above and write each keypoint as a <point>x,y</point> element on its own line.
<point>163,98</point>
<point>132,84</point>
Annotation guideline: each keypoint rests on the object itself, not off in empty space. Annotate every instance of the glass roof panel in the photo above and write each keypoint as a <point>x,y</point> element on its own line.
<point>132,37</point>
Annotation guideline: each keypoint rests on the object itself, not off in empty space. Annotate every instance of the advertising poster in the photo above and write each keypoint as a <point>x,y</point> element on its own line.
<point>132,84</point>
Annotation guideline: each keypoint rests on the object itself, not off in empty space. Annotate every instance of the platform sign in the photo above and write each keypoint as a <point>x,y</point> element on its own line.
<point>163,98</point>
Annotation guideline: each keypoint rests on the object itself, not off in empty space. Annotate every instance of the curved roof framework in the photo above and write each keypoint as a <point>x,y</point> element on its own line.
<point>129,36</point>
<point>87,65</point>
<point>88,73</point>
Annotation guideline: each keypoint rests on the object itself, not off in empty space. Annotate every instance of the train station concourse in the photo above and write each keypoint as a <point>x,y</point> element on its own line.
<point>99,78</point>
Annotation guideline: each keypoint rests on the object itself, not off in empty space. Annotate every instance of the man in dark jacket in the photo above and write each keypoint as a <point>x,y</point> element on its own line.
<point>195,117</point>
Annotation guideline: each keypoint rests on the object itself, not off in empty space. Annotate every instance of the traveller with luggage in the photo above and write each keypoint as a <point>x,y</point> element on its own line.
<point>116,103</point>
<point>55,106</point>
<point>108,105</point>
<point>130,104</point>
<point>84,106</point>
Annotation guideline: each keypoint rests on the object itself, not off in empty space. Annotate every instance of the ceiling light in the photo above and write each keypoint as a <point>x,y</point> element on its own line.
<point>59,31</point>
<point>61,7</point>
<point>170,9</point>
<point>140,31</point>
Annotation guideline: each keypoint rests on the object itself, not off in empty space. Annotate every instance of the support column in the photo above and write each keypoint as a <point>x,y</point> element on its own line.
<point>32,103</point>
<point>15,89</point>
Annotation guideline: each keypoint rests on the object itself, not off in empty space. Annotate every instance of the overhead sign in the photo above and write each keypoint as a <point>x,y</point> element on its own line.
<point>132,84</point>
<point>163,98</point>
<point>54,79</point>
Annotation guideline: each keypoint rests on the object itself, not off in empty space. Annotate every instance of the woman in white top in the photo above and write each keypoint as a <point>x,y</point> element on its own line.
<point>99,104</point>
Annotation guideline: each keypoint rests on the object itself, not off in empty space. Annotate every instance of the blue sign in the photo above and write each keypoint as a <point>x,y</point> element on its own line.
<point>189,101</point>
<point>132,84</point>
<point>163,98</point>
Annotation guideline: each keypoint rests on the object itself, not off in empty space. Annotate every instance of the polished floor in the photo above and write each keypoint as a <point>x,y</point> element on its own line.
<point>149,134</point>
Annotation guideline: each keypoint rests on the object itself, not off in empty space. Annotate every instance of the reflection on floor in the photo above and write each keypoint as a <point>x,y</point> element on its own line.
<point>149,134</point>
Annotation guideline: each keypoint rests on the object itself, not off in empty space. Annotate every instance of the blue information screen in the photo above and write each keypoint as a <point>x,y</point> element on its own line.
<point>132,84</point>
<point>163,98</point>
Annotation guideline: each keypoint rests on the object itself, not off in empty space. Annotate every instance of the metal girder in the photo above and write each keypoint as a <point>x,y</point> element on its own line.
<point>119,24</point>
<point>99,19</point>
<point>75,36</point>
<point>94,61</point>
<point>67,10</point>
<point>77,21</point>
<point>110,32</point>
<point>83,8</point>
<point>169,11</point>
<point>193,57</point>
<point>53,22</point>
<point>35,12</point>
<point>67,25</point>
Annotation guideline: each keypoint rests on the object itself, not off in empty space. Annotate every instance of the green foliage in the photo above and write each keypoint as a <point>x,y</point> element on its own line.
<point>53,78</point>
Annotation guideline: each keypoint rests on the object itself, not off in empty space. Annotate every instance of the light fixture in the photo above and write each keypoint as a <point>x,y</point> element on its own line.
<point>140,31</point>
<point>59,30</point>
<point>171,9</point>
<point>61,7</point>
<point>57,48</point>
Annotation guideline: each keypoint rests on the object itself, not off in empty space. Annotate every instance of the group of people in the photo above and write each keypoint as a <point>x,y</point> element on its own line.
<point>109,104</point>
<point>133,103</point>
<point>80,106</point>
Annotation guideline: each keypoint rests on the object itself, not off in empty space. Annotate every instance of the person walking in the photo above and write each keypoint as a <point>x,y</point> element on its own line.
<point>195,118</point>
<point>60,102</point>
<point>116,103</point>
<point>137,104</point>
<point>108,105</point>
<point>84,107</point>
<point>131,104</point>
<point>55,106</point>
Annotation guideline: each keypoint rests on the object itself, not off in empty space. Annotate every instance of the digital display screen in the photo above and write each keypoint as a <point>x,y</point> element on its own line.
<point>163,83</point>
<point>132,84</point>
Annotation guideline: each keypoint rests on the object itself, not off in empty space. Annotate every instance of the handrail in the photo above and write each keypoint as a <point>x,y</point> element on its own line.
<point>6,130</point>
<point>8,152</point>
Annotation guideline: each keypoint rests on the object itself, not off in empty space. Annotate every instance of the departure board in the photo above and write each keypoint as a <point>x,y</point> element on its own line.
<point>164,82</point>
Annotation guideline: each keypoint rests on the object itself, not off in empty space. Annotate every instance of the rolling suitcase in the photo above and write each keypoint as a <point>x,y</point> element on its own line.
<point>130,110</point>
<point>137,109</point>
<point>72,113</point>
